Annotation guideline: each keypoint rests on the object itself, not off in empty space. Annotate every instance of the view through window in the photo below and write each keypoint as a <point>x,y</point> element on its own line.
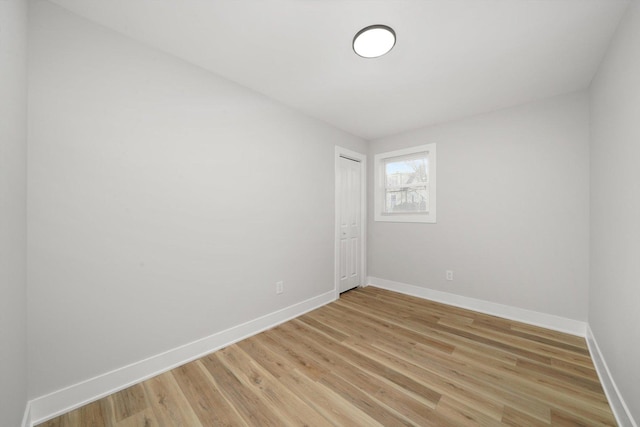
<point>407,184</point>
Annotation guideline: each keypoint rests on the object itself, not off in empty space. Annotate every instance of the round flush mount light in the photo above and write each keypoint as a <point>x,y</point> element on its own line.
<point>374,41</point>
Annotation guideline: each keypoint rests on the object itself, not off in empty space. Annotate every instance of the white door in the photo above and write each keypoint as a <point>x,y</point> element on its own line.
<point>349,220</point>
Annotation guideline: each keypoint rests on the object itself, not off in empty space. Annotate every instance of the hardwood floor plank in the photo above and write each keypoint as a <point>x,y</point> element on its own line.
<point>372,358</point>
<point>568,379</point>
<point>327,330</point>
<point>464,415</point>
<point>515,418</point>
<point>401,399</point>
<point>252,409</point>
<point>559,417</point>
<point>556,336</point>
<point>362,362</point>
<point>145,418</point>
<point>464,384</point>
<point>129,402</point>
<point>442,311</point>
<point>323,399</point>
<point>205,398</point>
<point>415,324</point>
<point>170,406</point>
<point>363,401</point>
<point>296,357</point>
<point>286,404</point>
<point>509,330</point>
<point>588,372</point>
<point>378,326</point>
<point>94,415</point>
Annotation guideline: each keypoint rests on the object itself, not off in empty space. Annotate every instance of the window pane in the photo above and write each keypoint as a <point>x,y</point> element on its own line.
<point>406,171</point>
<point>407,200</point>
<point>406,184</point>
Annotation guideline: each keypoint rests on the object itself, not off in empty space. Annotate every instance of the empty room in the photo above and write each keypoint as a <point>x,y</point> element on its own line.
<point>307,212</point>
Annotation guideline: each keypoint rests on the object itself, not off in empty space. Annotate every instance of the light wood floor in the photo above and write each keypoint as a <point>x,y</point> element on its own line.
<point>372,358</point>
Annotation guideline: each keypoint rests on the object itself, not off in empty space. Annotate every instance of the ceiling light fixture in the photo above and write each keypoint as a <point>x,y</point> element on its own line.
<point>374,41</point>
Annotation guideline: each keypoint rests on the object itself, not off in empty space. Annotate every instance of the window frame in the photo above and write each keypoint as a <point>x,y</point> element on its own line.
<point>380,185</point>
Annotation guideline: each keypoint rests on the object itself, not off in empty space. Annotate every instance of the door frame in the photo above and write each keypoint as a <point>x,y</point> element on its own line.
<point>362,159</point>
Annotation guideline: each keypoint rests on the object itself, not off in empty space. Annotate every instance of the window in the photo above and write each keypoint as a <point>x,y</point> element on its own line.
<point>406,185</point>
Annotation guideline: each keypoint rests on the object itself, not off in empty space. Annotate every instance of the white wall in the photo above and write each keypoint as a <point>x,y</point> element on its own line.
<point>614,308</point>
<point>164,202</point>
<point>13,147</point>
<point>513,200</point>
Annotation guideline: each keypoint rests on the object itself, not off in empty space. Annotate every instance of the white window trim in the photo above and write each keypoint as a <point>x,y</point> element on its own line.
<point>379,188</point>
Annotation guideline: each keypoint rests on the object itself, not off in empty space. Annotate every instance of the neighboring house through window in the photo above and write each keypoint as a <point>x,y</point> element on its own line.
<point>406,185</point>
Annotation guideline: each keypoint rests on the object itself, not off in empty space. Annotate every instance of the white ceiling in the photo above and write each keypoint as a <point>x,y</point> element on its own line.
<point>453,58</point>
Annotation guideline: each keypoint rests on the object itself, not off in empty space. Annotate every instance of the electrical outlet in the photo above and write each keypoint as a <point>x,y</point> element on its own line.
<point>449,275</point>
<point>279,287</point>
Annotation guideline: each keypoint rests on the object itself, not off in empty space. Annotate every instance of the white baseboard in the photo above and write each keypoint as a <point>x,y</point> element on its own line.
<point>26,419</point>
<point>549,321</point>
<point>51,405</point>
<point>617,403</point>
